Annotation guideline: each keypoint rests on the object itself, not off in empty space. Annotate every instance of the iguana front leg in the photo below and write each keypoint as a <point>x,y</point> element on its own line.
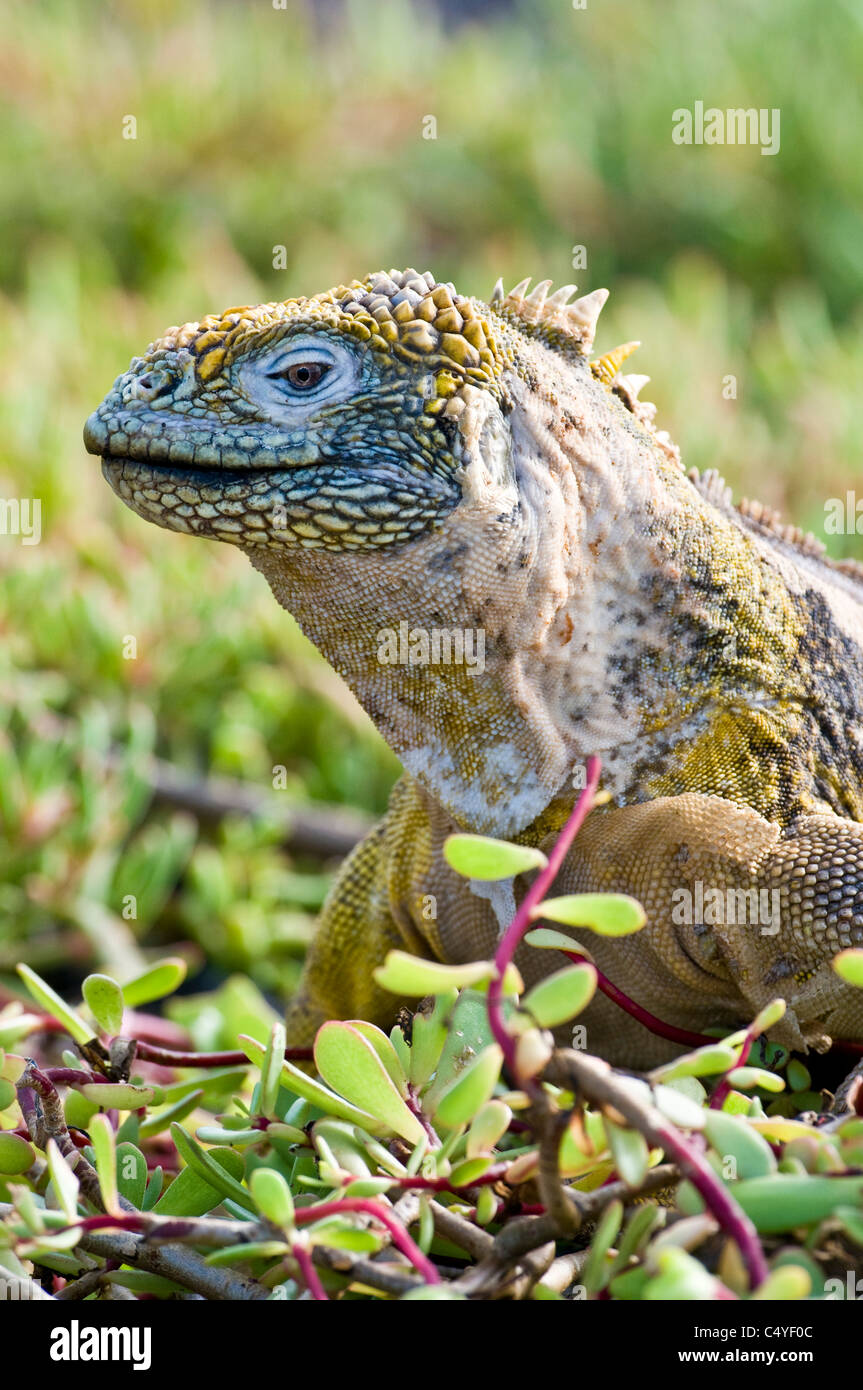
<point>355,930</point>
<point>394,891</point>
<point>739,911</point>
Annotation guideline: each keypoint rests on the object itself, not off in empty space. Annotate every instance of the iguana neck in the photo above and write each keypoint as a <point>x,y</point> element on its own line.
<point>566,569</point>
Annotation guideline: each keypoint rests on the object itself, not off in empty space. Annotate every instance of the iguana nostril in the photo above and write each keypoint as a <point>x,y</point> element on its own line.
<point>150,385</point>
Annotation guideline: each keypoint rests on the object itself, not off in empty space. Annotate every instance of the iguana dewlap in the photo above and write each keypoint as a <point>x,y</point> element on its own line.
<point>483,533</point>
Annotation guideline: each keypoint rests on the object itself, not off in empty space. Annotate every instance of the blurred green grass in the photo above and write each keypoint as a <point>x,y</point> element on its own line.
<point>260,128</point>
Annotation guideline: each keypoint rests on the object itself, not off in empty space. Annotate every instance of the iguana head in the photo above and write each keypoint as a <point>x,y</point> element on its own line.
<point>392,451</point>
<point>330,423</point>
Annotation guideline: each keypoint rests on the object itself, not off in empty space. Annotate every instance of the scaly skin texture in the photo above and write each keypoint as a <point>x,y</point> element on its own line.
<point>394,452</point>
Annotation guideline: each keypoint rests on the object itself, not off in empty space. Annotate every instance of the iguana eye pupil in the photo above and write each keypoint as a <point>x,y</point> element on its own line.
<point>304,376</point>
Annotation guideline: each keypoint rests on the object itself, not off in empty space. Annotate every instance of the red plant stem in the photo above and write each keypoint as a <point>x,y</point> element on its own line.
<point>717,1100</point>
<point>649,1020</point>
<point>40,1082</point>
<point>731,1217</point>
<point>142,1222</point>
<point>400,1237</point>
<point>68,1076</point>
<point>523,918</point>
<point>165,1057</point>
<point>668,1030</point>
<point>420,1184</point>
<point>135,1221</point>
<point>309,1273</point>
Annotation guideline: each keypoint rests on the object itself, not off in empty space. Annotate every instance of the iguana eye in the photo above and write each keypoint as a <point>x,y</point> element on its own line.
<point>303,376</point>
<point>300,375</point>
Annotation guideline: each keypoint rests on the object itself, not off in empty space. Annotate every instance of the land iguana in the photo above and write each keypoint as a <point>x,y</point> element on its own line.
<point>400,461</point>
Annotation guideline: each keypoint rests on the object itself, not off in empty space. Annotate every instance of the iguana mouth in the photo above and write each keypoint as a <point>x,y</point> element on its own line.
<point>117,467</point>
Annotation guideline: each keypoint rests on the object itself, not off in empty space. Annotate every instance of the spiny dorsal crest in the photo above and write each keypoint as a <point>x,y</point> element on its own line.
<point>607,367</point>
<point>576,324</point>
<point>771,520</point>
<point>575,321</point>
<point>715,490</point>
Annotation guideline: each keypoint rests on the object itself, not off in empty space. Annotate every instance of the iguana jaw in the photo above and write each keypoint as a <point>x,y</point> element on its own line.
<point>319,507</point>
